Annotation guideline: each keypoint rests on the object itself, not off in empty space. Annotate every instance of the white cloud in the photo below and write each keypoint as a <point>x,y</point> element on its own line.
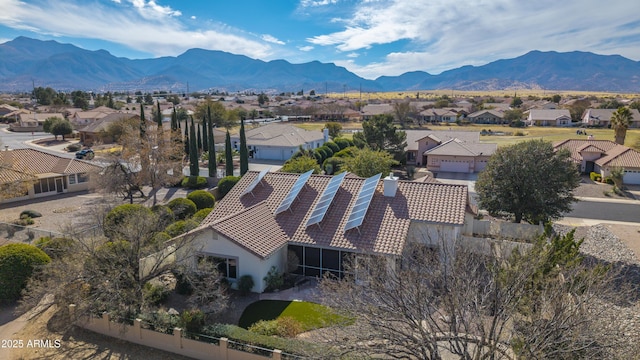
<point>353,55</point>
<point>116,1</point>
<point>437,35</point>
<point>313,3</point>
<point>272,39</point>
<point>146,27</point>
<point>193,17</point>
<point>306,48</point>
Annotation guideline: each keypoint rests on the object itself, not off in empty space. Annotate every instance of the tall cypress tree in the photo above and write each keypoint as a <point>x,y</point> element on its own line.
<point>205,134</point>
<point>187,144</point>
<point>143,122</point>
<point>159,116</point>
<point>199,137</point>
<point>211,149</point>
<point>244,153</point>
<point>194,168</point>
<point>228,155</point>
<point>174,120</point>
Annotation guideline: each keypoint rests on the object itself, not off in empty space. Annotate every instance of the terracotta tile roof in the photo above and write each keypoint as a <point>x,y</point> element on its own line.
<point>456,147</point>
<point>413,136</point>
<point>384,229</point>
<point>280,135</point>
<point>34,162</point>
<point>262,237</point>
<point>612,154</point>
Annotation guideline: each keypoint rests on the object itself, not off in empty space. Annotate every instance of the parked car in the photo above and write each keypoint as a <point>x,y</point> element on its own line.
<point>87,154</point>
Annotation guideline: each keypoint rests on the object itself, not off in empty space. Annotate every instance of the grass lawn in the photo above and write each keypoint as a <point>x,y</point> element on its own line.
<point>309,315</point>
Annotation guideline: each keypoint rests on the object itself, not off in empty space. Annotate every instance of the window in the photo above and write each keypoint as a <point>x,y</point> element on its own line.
<point>228,267</point>
<point>83,177</point>
<point>72,179</point>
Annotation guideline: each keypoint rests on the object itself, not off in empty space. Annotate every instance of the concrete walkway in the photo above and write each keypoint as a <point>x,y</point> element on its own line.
<point>305,292</point>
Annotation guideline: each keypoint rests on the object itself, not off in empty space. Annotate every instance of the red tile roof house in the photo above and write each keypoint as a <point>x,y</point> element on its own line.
<point>601,156</point>
<point>450,151</point>
<point>253,228</point>
<point>51,174</point>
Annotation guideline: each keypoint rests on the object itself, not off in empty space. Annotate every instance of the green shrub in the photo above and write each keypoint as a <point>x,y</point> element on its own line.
<point>119,214</point>
<point>594,176</point>
<point>346,152</point>
<point>285,326</point>
<point>226,184</point>
<point>160,321</point>
<point>74,147</point>
<point>333,146</point>
<point>30,213</point>
<point>342,143</point>
<point>165,215</point>
<point>192,321</point>
<point>24,221</point>
<point>202,198</point>
<point>154,294</point>
<point>180,227</point>
<point>332,165</point>
<point>54,247</point>
<point>194,182</point>
<point>161,237</point>
<point>274,279</point>
<point>328,150</point>
<point>608,180</point>
<point>17,263</point>
<point>182,208</point>
<point>183,286</point>
<point>201,214</point>
<point>292,346</point>
<point>245,284</point>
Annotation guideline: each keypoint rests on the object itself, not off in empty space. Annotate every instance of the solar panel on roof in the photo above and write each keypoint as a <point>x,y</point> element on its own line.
<point>293,193</point>
<point>255,181</point>
<point>325,199</point>
<point>361,205</point>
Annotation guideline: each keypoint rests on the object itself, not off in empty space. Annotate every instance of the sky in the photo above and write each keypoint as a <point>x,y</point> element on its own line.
<point>368,37</point>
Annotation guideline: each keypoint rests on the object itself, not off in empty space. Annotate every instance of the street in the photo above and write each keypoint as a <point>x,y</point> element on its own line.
<point>612,211</point>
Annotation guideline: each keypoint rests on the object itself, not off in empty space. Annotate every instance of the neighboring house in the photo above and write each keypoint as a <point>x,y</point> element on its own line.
<point>84,118</point>
<point>451,151</point>
<point>490,116</point>
<point>549,117</point>
<point>7,109</point>
<point>278,141</point>
<point>438,115</point>
<point>602,117</point>
<point>92,132</point>
<point>601,156</point>
<point>32,121</point>
<point>370,110</point>
<point>50,174</point>
<point>261,220</point>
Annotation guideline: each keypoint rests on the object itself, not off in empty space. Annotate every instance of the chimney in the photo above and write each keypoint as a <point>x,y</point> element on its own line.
<point>325,132</point>
<point>390,185</point>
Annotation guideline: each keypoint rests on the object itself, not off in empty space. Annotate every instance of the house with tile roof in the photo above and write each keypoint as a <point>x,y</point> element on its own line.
<point>370,110</point>
<point>28,122</point>
<point>278,141</point>
<point>91,133</point>
<point>50,174</point>
<point>450,151</point>
<point>325,221</point>
<point>601,156</point>
<point>549,117</point>
<point>489,116</point>
<point>602,117</point>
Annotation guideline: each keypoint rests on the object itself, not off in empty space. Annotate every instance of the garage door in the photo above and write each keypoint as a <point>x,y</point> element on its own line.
<point>631,177</point>
<point>269,154</point>
<point>454,166</point>
<point>480,165</point>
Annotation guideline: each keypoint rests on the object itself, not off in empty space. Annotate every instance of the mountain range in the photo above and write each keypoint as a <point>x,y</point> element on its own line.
<point>26,62</point>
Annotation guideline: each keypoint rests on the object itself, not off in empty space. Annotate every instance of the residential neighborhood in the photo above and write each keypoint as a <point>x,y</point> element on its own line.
<point>258,233</point>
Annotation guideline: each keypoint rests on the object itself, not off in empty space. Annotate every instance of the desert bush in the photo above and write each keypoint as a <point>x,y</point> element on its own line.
<point>192,320</point>
<point>226,183</point>
<point>182,208</point>
<point>154,294</point>
<point>119,214</point>
<point>180,227</point>
<point>17,263</point>
<point>245,284</point>
<point>202,198</point>
<point>24,221</point>
<point>165,215</point>
<point>194,182</point>
<point>274,279</point>
<point>30,213</point>
<point>201,214</point>
<point>285,326</point>
<point>54,247</point>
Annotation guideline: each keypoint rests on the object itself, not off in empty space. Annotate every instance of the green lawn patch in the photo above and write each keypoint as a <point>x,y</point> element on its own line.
<point>309,315</point>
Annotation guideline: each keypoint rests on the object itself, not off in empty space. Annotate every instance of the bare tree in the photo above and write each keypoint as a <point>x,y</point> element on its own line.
<point>109,274</point>
<point>404,112</point>
<point>430,304</point>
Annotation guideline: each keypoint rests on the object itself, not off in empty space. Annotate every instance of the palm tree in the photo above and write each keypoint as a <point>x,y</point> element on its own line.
<point>620,123</point>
